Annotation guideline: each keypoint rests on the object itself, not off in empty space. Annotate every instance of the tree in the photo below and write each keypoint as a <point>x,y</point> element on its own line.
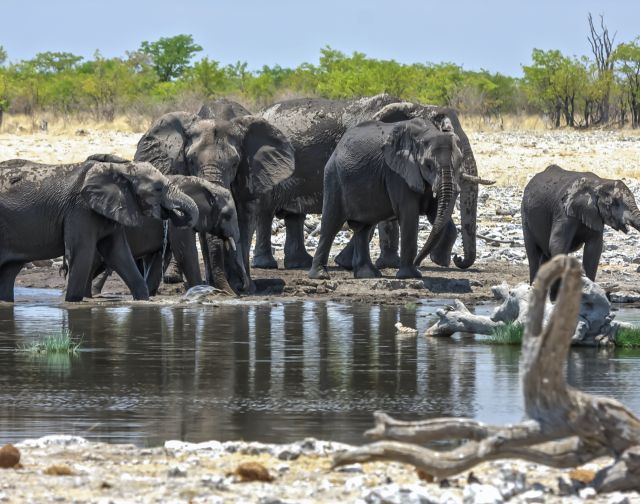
<point>627,59</point>
<point>3,55</point>
<point>170,55</point>
<point>602,48</point>
<point>55,62</point>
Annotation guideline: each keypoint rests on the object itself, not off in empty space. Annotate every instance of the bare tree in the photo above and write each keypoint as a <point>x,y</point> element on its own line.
<point>602,47</point>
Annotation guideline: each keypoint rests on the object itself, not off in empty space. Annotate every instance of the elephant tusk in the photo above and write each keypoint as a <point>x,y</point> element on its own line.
<point>231,243</point>
<point>476,180</point>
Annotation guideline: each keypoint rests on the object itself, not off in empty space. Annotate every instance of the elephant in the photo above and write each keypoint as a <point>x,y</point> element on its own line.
<point>245,155</point>
<point>152,244</point>
<point>73,210</point>
<point>314,126</point>
<point>382,171</point>
<point>564,210</point>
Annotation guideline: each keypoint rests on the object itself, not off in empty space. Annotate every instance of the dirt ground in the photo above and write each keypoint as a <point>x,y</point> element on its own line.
<point>509,157</point>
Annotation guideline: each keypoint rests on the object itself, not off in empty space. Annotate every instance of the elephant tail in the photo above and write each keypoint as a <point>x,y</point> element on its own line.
<point>64,269</point>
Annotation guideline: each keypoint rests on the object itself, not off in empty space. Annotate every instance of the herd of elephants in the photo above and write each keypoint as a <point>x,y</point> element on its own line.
<point>225,173</point>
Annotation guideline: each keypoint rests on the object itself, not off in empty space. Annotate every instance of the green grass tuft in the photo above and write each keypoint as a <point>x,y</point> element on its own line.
<point>54,343</point>
<point>508,334</point>
<point>628,338</point>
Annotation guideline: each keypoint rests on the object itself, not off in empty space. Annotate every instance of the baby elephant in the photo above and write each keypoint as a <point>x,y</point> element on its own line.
<point>381,171</point>
<point>216,215</point>
<point>47,211</point>
<point>563,210</point>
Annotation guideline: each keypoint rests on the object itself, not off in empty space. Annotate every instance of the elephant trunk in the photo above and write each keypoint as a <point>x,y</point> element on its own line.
<point>236,251</point>
<point>634,218</point>
<point>446,202</point>
<point>468,206</point>
<point>182,210</point>
<point>213,254</point>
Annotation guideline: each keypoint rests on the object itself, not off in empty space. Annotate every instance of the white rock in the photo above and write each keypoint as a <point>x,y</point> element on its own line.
<point>396,494</point>
<point>58,440</point>
<point>618,498</point>
<point>587,493</point>
<point>532,496</point>
<point>481,494</point>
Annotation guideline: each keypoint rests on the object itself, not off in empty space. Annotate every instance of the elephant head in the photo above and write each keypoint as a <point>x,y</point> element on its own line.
<point>596,202</point>
<point>447,120</point>
<point>245,152</point>
<point>428,160</point>
<point>217,215</point>
<point>128,192</point>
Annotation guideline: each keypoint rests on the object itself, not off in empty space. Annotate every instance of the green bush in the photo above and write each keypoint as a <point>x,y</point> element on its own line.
<point>507,334</point>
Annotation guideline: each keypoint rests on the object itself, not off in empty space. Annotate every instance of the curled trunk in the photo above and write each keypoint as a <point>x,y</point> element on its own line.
<point>181,208</point>
<point>446,202</point>
<point>468,205</point>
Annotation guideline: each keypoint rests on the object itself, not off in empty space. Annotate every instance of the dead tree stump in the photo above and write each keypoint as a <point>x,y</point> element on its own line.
<point>565,427</point>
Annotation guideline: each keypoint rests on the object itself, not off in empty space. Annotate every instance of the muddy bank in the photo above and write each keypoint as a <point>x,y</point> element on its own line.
<point>68,468</point>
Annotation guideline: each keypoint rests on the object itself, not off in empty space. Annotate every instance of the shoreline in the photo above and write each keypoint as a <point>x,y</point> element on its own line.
<point>69,468</point>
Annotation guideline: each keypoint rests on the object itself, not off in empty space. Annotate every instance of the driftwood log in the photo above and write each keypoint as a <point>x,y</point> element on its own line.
<point>565,427</point>
<point>596,324</point>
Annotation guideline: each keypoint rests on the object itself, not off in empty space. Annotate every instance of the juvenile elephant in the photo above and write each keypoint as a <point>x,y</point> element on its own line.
<point>151,247</point>
<point>381,171</point>
<point>563,210</point>
<point>50,210</point>
<point>245,155</point>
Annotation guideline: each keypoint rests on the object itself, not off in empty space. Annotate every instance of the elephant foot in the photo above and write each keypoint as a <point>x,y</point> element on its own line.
<point>345,258</point>
<point>409,272</point>
<point>441,259</point>
<point>264,261</point>
<point>319,273</point>
<point>367,271</point>
<point>388,261</point>
<point>172,275</point>
<point>302,261</point>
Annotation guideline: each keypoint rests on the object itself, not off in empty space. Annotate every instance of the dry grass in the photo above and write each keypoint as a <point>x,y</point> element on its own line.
<point>59,125</point>
<point>513,122</point>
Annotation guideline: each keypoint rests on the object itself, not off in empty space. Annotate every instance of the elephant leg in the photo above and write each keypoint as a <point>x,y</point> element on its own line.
<point>362,265</point>
<point>117,256</point>
<point>100,277</point>
<point>80,254</point>
<point>389,233</point>
<point>534,253</point>
<point>332,221</point>
<point>185,252</point>
<point>591,257</point>
<point>8,273</point>
<point>560,242</point>
<point>153,268</point>
<point>409,243</point>
<point>295,254</point>
<point>345,258</point>
<point>263,252</point>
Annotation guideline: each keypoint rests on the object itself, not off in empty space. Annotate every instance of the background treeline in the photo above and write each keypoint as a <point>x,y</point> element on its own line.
<point>160,76</point>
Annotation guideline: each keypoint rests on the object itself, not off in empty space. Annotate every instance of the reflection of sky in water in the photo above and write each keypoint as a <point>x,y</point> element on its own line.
<point>269,371</point>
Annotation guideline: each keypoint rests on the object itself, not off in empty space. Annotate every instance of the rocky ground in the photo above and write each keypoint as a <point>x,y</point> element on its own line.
<point>70,469</point>
<point>510,158</point>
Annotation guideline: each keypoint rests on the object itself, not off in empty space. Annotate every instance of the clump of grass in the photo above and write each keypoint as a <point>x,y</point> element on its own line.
<point>55,343</point>
<point>628,337</point>
<point>507,334</point>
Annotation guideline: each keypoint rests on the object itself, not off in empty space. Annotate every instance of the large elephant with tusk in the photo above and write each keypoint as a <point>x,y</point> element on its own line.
<point>314,126</point>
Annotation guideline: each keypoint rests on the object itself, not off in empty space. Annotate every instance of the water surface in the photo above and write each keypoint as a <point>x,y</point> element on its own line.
<point>273,372</point>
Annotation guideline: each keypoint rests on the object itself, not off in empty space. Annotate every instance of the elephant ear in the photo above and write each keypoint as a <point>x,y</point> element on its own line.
<point>401,155</point>
<point>580,202</point>
<point>268,155</point>
<point>163,145</point>
<point>109,191</point>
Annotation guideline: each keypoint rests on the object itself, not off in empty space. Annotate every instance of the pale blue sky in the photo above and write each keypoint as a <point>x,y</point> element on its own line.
<point>494,34</point>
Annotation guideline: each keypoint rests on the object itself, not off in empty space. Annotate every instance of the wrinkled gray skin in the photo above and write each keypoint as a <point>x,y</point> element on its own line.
<point>314,126</point>
<point>216,215</point>
<point>245,155</point>
<point>564,210</point>
<point>73,210</point>
<point>381,171</point>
